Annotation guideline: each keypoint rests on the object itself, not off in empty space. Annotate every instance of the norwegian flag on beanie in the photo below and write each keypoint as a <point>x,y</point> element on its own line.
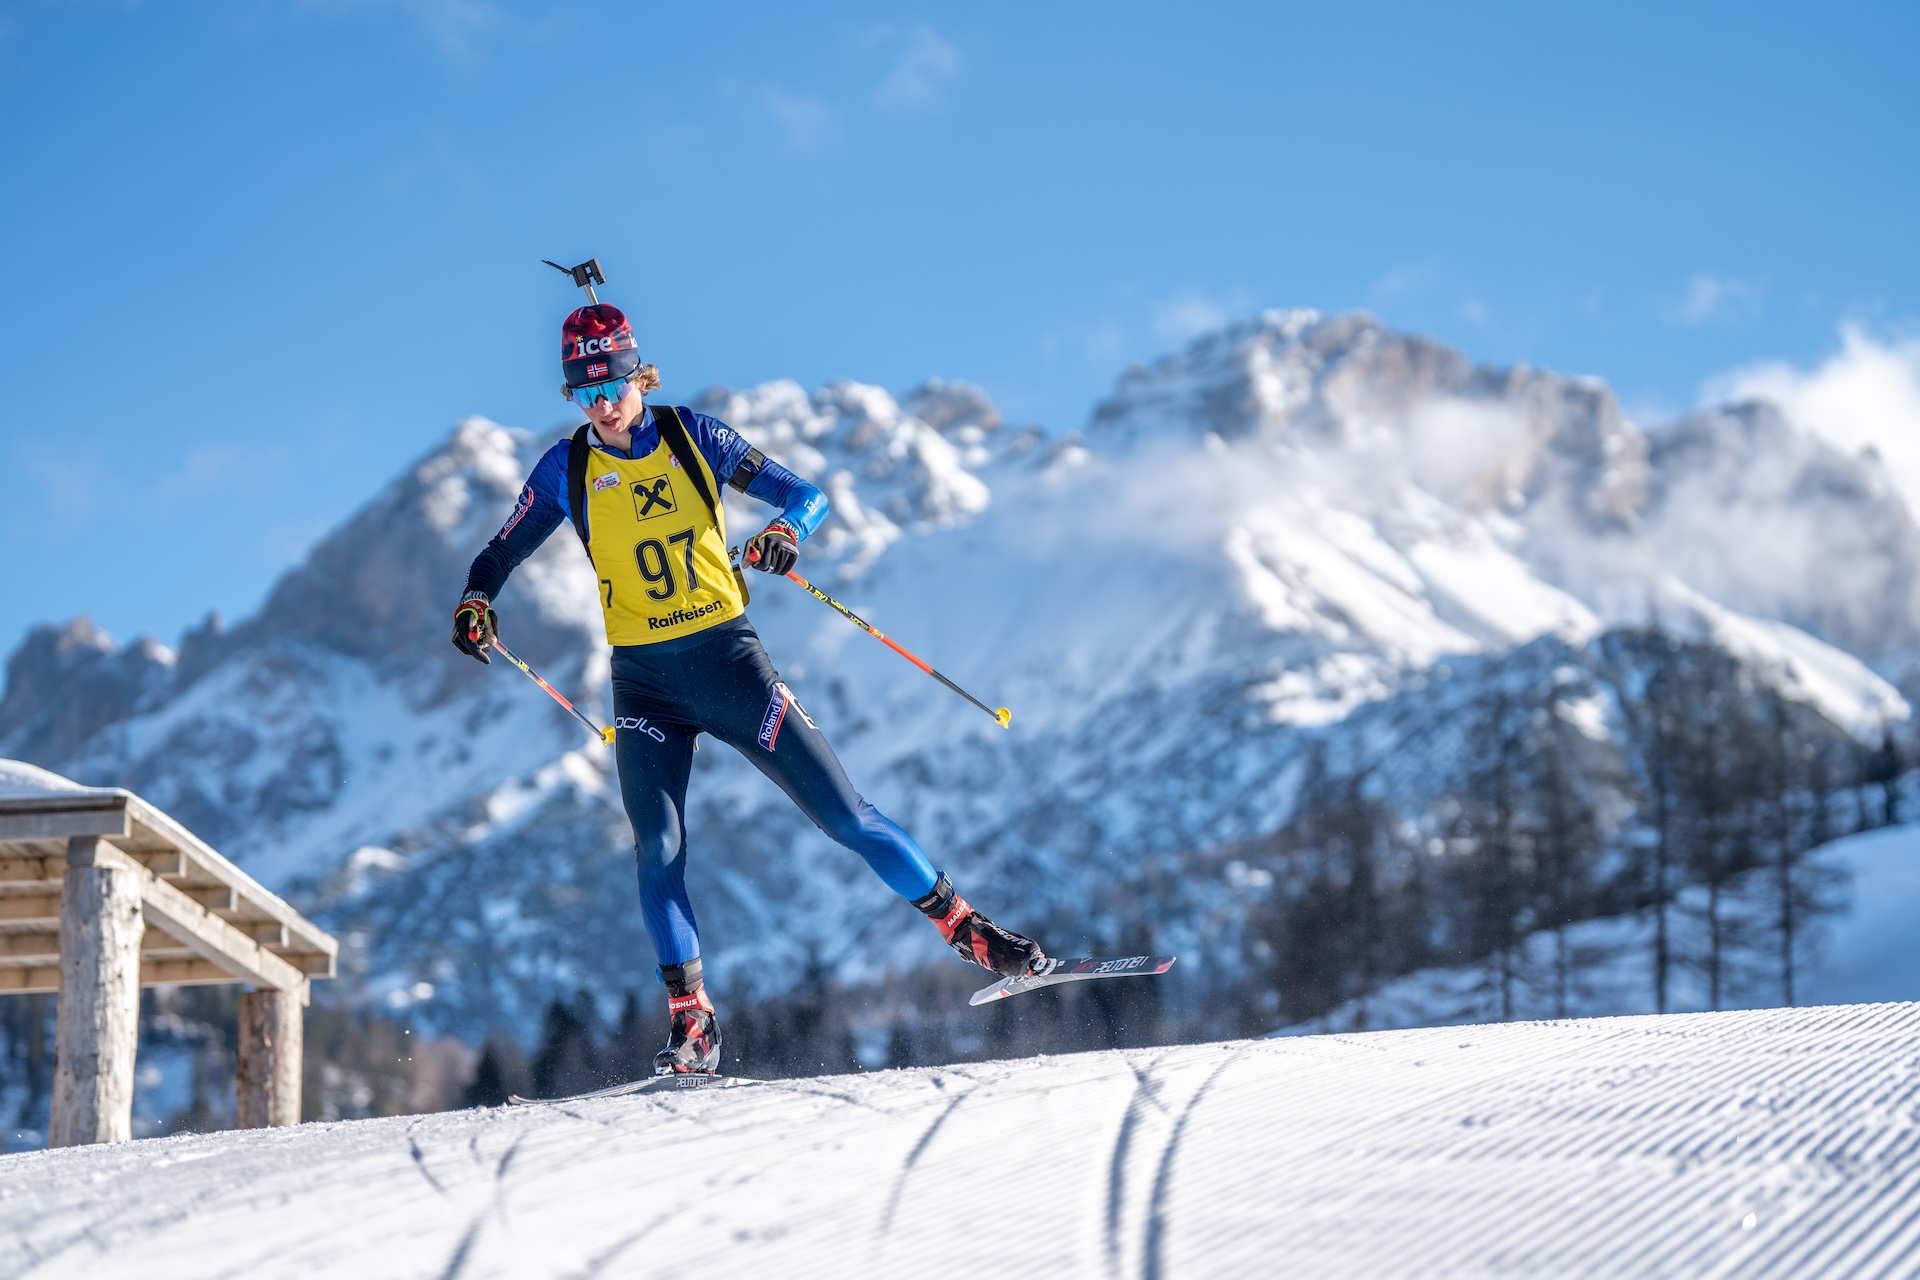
<point>596,345</point>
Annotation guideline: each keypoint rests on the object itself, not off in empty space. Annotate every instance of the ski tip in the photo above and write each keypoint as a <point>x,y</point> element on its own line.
<point>994,992</point>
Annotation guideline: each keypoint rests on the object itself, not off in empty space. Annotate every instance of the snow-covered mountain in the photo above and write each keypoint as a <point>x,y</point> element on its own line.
<point>1299,531</point>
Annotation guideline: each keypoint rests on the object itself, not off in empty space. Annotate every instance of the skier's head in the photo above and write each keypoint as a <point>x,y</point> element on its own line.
<point>596,345</point>
<point>600,362</point>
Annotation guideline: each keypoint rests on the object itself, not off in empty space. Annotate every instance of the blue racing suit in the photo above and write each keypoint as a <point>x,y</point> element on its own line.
<point>719,681</point>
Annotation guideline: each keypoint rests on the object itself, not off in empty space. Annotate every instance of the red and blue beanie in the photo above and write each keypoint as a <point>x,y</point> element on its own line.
<point>596,345</point>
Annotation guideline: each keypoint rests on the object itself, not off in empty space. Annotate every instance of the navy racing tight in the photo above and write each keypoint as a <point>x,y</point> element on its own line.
<point>720,681</point>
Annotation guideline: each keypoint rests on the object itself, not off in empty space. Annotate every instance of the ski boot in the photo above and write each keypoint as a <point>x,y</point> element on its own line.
<point>976,938</point>
<point>693,1038</point>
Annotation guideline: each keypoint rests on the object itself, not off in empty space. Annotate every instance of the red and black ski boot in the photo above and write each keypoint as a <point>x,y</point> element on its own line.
<point>693,1038</point>
<point>976,938</point>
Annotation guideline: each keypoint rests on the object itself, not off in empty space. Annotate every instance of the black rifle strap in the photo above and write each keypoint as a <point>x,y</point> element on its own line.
<point>667,420</point>
<point>577,486</point>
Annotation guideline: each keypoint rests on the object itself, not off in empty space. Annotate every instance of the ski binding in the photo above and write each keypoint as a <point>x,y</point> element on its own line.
<point>1078,969</point>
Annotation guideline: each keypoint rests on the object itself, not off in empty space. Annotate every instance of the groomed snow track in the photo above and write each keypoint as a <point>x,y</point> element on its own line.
<point>1778,1142</point>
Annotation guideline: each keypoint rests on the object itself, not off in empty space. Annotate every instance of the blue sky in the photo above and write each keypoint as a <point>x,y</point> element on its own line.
<point>256,256</point>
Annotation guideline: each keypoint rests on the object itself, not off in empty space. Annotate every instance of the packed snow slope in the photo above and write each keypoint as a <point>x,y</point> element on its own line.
<point>1299,525</point>
<point>1783,1142</point>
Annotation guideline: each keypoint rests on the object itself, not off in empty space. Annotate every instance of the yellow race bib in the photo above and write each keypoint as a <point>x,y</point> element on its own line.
<point>660,553</point>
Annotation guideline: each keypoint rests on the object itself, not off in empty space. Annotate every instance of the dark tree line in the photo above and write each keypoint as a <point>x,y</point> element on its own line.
<point>1657,779</point>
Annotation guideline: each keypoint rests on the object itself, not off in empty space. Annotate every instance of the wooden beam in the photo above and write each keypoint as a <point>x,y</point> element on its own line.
<point>214,940</point>
<point>155,971</point>
<point>98,1024</point>
<point>30,946</point>
<point>312,963</point>
<point>166,862</point>
<point>30,870</point>
<point>268,933</point>
<point>69,801</point>
<point>31,906</point>
<point>183,973</point>
<point>27,980</point>
<point>54,824</point>
<point>216,897</point>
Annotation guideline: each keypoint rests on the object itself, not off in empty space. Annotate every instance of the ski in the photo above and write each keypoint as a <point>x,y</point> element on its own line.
<point>1078,969</point>
<point>651,1084</point>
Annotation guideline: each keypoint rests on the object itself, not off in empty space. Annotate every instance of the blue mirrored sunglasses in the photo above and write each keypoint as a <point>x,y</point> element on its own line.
<point>585,396</point>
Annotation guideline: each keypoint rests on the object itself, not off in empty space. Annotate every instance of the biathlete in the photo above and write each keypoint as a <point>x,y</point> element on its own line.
<point>641,485</point>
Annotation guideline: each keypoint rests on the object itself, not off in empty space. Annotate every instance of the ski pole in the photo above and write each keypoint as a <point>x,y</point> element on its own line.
<point>605,735</point>
<point>1002,717</point>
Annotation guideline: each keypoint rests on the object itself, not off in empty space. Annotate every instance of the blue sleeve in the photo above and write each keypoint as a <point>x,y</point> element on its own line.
<point>801,504</point>
<point>719,444</point>
<point>541,509</point>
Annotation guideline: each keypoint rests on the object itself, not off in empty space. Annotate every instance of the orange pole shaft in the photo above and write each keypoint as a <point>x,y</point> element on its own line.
<point>1001,717</point>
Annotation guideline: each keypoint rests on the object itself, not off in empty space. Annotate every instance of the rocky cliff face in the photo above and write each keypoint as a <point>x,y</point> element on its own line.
<point>1298,533</point>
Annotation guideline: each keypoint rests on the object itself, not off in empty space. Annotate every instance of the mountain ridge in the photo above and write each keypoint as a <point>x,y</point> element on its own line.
<point>1291,532</point>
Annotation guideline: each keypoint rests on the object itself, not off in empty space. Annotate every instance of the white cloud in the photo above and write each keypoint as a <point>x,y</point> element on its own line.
<point>1709,297</point>
<point>1190,313</point>
<point>924,68</point>
<point>1186,315</point>
<point>1401,281</point>
<point>1867,396</point>
<point>806,121</point>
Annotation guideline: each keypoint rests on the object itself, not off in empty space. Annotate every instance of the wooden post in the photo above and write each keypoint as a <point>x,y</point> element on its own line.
<point>267,1075</point>
<point>98,1022</point>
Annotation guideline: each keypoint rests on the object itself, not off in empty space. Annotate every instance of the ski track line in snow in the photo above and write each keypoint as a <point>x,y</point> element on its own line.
<point>913,1158</point>
<point>1152,1262</point>
<point>1145,1093</point>
<point>1615,1147</point>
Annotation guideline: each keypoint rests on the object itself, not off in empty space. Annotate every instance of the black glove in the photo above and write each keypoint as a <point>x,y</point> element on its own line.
<point>475,627</point>
<point>775,549</point>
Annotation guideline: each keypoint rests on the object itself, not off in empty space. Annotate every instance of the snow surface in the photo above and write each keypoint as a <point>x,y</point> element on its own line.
<point>22,781</point>
<point>1780,1142</point>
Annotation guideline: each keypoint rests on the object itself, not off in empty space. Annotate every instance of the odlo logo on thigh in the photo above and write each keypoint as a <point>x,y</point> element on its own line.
<point>630,722</point>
